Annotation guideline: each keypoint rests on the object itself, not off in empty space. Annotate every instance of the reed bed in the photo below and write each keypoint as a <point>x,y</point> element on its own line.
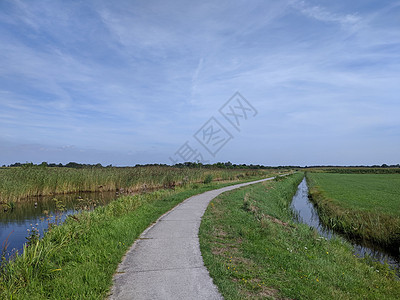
<point>18,183</point>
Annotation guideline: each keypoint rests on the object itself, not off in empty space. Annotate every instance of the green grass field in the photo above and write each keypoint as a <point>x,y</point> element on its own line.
<point>355,170</point>
<point>78,259</point>
<point>253,250</point>
<point>362,205</point>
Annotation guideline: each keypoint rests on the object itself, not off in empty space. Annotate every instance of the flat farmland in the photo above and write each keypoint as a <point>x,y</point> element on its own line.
<point>365,206</point>
<point>367,192</point>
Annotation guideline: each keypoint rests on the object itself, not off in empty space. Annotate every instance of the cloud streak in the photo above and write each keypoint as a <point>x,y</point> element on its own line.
<point>322,14</point>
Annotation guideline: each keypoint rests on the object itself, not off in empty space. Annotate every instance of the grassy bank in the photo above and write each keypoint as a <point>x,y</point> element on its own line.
<point>18,183</point>
<point>254,251</point>
<point>77,259</point>
<point>364,206</point>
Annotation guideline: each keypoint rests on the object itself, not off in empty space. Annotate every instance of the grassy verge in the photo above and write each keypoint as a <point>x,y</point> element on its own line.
<point>18,183</point>
<point>363,206</point>
<point>77,259</point>
<point>253,250</point>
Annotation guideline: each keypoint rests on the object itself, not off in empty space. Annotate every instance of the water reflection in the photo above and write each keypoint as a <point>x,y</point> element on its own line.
<point>306,213</point>
<point>40,211</point>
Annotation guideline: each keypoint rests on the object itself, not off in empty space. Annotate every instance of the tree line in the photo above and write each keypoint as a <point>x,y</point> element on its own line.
<point>219,165</point>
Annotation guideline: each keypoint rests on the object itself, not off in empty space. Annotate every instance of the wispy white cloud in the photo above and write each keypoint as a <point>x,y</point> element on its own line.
<point>320,13</point>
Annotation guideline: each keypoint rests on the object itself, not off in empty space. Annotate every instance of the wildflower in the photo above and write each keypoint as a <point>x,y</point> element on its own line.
<point>305,248</point>
<point>317,280</point>
<point>327,252</point>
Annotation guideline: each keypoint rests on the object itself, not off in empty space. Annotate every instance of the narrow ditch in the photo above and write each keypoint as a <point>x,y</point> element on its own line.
<point>305,212</point>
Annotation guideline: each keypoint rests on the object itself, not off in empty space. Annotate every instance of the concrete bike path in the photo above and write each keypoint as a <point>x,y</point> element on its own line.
<point>166,262</point>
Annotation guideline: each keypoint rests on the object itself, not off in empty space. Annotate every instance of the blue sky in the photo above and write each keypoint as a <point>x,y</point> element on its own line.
<point>127,82</point>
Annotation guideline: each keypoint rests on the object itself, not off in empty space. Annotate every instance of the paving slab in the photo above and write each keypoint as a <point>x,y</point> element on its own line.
<point>171,229</point>
<point>192,283</point>
<point>165,262</point>
<point>163,253</point>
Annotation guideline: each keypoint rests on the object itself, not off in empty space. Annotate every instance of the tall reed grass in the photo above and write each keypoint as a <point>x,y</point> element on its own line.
<point>18,183</point>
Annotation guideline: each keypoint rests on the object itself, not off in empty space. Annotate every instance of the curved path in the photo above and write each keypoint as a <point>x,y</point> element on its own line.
<point>165,262</point>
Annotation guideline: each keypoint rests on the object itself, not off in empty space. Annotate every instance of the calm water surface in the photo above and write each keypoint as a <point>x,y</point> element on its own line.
<point>39,211</point>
